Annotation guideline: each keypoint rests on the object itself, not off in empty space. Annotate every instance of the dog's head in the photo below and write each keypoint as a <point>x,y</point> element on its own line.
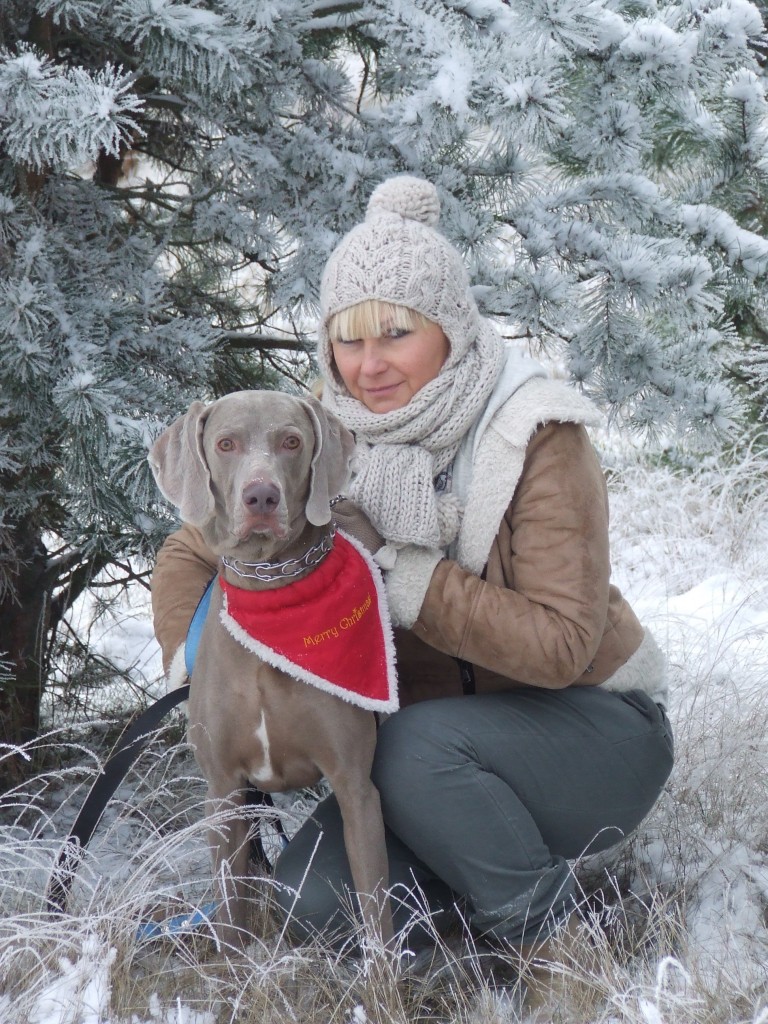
<point>254,463</point>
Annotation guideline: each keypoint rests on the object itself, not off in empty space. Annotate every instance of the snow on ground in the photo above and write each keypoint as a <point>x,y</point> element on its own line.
<point>690,550</point>
<point>691,554</point>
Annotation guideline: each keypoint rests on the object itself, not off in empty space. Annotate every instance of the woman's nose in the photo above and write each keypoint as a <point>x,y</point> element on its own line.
<point>372,361</point>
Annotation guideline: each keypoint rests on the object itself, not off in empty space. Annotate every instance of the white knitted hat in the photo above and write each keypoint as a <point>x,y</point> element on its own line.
<point>397,256</point>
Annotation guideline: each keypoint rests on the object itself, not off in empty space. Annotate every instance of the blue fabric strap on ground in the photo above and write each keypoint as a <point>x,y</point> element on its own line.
<point>196,628</point>
<point>178,924</point>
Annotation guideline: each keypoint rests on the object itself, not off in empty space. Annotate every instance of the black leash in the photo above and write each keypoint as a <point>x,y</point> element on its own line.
<point>129,747</point>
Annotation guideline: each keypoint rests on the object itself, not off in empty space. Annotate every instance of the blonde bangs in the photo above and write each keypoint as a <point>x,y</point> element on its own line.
<point>372,319</point>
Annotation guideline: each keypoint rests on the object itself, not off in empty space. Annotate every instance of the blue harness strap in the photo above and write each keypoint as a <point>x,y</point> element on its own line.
<point>196,628</point>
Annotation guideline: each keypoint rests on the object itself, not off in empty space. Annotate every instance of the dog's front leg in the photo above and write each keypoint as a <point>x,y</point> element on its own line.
<point>228,840</point>
<point>360,808</point>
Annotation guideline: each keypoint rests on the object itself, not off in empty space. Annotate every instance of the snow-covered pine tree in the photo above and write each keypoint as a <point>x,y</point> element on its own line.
<point>173,175</point>
<point>742,193</point>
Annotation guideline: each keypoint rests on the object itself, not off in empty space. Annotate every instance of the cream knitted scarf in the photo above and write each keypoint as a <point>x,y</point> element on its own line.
<point>400,453</point>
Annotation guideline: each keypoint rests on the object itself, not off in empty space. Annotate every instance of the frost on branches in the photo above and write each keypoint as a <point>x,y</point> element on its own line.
<point>173,175</point>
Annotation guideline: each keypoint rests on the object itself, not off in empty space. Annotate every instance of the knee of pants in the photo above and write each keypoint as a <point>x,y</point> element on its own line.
<point>413,744</point>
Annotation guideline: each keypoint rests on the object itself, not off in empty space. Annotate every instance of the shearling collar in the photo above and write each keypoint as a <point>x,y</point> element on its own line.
<point>499,455</point>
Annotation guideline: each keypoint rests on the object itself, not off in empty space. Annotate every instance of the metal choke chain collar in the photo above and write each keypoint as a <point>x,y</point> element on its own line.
<point>268,572</point>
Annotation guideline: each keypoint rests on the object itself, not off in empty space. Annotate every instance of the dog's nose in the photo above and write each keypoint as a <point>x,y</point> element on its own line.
<point>261,496</point>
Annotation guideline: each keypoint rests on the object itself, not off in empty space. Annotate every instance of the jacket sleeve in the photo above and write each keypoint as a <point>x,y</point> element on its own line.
<point>539,615</point>
<point>184,567</point>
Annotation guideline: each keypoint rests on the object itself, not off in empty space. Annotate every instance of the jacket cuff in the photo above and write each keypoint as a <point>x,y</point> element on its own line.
<point>176,675</point>
<point>645,670</point>
<point>408,581</point>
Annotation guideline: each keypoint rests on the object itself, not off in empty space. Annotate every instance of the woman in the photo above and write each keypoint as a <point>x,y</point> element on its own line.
<point>477,472</point>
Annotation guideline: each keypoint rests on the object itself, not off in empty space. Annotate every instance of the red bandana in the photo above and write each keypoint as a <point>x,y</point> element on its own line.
<point>330,629</point>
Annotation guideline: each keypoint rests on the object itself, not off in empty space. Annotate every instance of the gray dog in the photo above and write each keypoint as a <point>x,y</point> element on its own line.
<point>255,472</point>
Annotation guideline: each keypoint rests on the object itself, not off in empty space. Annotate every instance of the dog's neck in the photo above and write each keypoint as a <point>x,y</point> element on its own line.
<point>295,562</point>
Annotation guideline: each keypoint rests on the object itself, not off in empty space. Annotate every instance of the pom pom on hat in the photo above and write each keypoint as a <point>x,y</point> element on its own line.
<point>412,198</point>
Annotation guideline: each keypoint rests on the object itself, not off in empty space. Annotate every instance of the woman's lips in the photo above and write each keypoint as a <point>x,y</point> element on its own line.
<point>379,392</point>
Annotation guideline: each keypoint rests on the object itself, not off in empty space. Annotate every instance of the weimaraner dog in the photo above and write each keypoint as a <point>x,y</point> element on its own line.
<point>255,472</point>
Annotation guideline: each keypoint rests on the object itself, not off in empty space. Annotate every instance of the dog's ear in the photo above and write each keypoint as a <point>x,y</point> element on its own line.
<point>334,445</point>
<point>178,463</point>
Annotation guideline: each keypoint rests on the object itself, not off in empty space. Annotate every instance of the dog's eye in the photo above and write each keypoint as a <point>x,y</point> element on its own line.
<point>292,442</point>
<point>225,444</point>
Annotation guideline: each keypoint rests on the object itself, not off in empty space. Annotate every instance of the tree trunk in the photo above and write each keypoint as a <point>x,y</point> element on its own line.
<point>24,615</point>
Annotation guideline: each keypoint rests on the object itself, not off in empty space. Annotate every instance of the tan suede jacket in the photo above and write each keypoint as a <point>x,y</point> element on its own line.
<point>543,614</point>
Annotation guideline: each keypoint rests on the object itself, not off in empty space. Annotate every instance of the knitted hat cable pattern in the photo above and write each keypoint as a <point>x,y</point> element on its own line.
<point>396,255</point>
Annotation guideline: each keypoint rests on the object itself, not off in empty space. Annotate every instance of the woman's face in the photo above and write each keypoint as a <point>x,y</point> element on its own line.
<point>385,372</point>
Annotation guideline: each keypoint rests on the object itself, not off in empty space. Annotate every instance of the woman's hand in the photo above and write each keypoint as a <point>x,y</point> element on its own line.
<point>408,568</point>
<point>408,580</point>
<point>351,519</point>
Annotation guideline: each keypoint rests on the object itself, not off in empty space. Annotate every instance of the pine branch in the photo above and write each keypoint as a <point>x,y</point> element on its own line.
<point>261,342</point>
<point>130,575</point>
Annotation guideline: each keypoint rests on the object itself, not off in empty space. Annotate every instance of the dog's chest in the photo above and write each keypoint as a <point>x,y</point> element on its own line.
<point>274,764</point>
<point>268,770</point>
